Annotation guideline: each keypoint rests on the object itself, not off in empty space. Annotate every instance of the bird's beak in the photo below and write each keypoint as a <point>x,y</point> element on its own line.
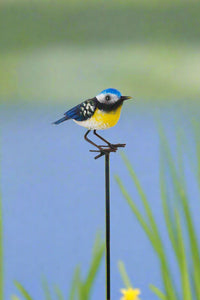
<point>126,98</point>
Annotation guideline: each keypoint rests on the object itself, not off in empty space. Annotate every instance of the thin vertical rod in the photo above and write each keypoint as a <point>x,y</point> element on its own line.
<point>107,208</point>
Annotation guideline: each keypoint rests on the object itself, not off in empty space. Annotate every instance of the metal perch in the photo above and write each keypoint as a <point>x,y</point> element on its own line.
<point>106,150</point>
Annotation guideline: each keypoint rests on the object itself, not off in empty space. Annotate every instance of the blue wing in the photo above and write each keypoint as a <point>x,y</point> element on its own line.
<point>75,113</point>
<point>80,112</point>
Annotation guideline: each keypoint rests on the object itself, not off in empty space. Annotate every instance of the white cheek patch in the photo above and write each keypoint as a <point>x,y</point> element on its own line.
<point>102,98</point>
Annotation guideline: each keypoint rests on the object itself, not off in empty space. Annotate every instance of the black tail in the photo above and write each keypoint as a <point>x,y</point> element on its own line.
<point>61,120</point>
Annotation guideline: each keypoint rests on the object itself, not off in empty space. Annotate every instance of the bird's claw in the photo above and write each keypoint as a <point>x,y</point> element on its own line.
<point>115,146</point>
<point>104,151</point>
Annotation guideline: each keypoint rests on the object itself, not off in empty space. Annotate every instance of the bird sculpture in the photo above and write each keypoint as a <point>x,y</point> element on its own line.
<point>100,112</point>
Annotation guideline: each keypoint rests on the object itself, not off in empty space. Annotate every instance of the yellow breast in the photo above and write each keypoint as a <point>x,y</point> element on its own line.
<point>101,119</point>
<point>106,119</point>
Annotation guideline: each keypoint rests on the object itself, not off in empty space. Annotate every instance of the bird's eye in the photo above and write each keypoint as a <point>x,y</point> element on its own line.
<point>107,97</point>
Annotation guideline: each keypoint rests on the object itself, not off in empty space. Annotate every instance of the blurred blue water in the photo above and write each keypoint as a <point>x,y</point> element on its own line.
<point>53,196</point>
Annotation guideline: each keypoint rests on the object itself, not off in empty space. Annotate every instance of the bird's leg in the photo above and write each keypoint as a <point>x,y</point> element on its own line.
<point>101,150</point>
<point>89,141</point>
<point>112,146</point>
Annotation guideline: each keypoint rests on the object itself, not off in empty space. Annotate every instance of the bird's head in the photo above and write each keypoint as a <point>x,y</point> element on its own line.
<point>111,97</point>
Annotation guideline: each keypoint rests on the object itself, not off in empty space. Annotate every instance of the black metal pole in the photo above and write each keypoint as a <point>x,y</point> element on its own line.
<point>107,208</point>
<point>106,151</point>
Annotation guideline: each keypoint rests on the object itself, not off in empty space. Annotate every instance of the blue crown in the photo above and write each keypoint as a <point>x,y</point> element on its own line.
<point>111,91</point>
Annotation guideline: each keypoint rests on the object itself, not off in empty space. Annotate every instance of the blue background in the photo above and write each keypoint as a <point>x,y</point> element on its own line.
<point>53,196</point>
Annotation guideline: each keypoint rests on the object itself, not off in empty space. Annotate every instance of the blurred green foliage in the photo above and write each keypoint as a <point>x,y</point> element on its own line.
<point>178,216</point>
<point>58,50</point>
<point>81,289</point>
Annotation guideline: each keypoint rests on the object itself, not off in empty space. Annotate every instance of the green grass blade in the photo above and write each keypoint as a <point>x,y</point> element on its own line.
<point>186,288</point>
<point>81,288</point>
<point>97,243</point>
<point>142,195</point>
<point>158,292</point>
<point>75,284</point>
<point>93,270</point>
<point>22,290</point>
<point>133,207</point>
<point>167,214</point>
<point>14,297</point>
<point>175,235</point>
<point>196,127</point>
<point>179,190</point>
<point>58,293</point>
<point>194,247</point>
<point>181,145</point>
<point>170,288</point>
<point>124,275</point>
<point>46,289</point>
<point>155,241</point>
